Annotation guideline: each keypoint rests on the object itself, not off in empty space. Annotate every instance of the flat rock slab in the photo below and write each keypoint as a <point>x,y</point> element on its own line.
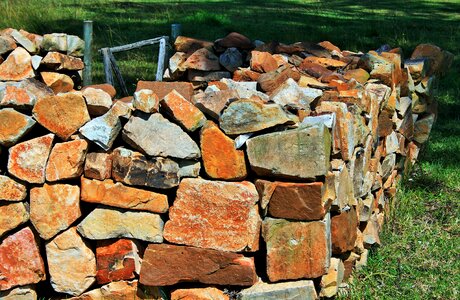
<point>59,61</point>
<point>156,136</point>
<point>298,153</point>
<point>13,126</point>
<point>71,263</point>
<point>161,88</point>
<point>183,112</point>
<point>118,195</point>
<point>66,160</point>
<point>26,292</point>
<point>98,165</point>
<point>224,215</point>
<point>104,223</point>
<point>343,231</point>
<point>12,214</point>
<point>213,103</point>
<point>17,66</point>
<point>297,290</point>
<point>10,190</point>
<point>27,160</point>
<point>20,260</point>
<point>169,264</point>
<point>122,290</point>
<point>97,100</point>
<point>104,129</point>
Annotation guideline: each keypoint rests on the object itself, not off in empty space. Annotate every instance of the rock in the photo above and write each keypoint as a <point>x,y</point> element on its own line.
<point>106,87</point>
<point>6,44</point>
<point>296,153</point>
<point>371,232</point>
<point>20,293</point>
<point>59,61</point>
<point>422,128</point>
<point>122,290</point>
<point>236,40</point>
<point>13,126</point>
<point>177,63</point>
<point>20,260</point>
<point>245,89</point>
<point>246,74</point>
<point>296,290</point>
<point>325,62</point>
<point>439,60</point>
<point>388,165</point>
<point>209,293</point>
<point>71,263</point>
<point>245,116</point>
<point>36,61</point>
<point>360,75</point>
<point>27,160</point>
<point>118,195</point>
<point>98,165</point>
<point>195,265</point>
<point>186,44</point>
<point>296,249</point>
<point>23,95</point>
<point>215,209</point>
<point>182,111</point>
<point>75,45</point>
<point>17,66</point>
<point>205,76</point>
<point>59,83</point>
<point>146,101</point>
<point>53,208</point>
<point>213,103</point>
<point>66,160</point>
<point>98,101</point>
<point>161,88</point>
<point>12,215</point>
<point>231,59</point>
<point>62,114</point>
<point>10,190</point>
<point>290,94</point>
<point>104,223</point>
<point>333,279</point>
<point>220,158</point>
<point>117,260</point>
<point>263,62</point>
<point>152,134</point>
<point>54,42</point>
<point>202,60</point>
<point>343,231</point>
<point>270,81</point>
<point>314,69</point>
<point>391,143</point>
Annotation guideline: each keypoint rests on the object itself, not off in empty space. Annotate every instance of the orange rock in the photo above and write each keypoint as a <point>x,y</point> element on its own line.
<point>329,46</point>
<point>220,158</point>
<point>122,290</point>
<point>13,126</point>
<point>59,83</point>
<point>17,66</point>
<point>53,208</point>
<point>20,260</point>
<point>343,231</point>
<point>203,60</point>
<point>314,69</point>
<point>98,165</point>
<point>360,75</point>
<point>59,61</point>
<point>106,87</point>
<point>245,74</point>
<point>66,160</point>
<point>199,294</point>
<point>62,114</point>
<point>184,112</point>
<point>11,190</point>
<point>161,88</point>
<point>263,62</point>
<point>215,214</point>
<point>16,97</point>
<point>119,195</point>
<point>325,62</point>
<point>27,160</point>
<point>11,216</point>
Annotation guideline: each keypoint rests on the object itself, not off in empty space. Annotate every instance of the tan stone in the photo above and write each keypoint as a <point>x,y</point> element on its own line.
<point>59,83</point>
<point>26,292</point>
<point>122,290</point>
<point>98,165</point>
<point>97,100</point>
<point>106,87</point>
<point>17,66</point>
<point>185,113</point>
<point>59,61</point>
<point>203,60</point>
<point>213,103</point>
<point>146,100</point>
<point>331,281</point>
<point>66,160</point>
<point>293,290</point>
<point>12,215</point>
<point>13,126</point>
<point>199,294</point>
<point>10,190</point>
<point>161,88</point>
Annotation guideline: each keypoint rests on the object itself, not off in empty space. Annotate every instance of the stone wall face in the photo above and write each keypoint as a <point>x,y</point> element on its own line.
<point>256,169</point>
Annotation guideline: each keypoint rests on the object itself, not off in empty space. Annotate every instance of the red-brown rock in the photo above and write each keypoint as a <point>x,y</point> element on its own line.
<point>168,264</point>
<point>234,39</point>
<point>183,111</point>
<point>59,83</point>
<point>161,88</point>
<point>263,62</point>
<point>20,260</point>
<point>187,44</point>
<point>66,160</point>
<point>203,60</point>
<point>199,294</point>
<point>215,214</point>
<point>343,231</point>
<point>59,61</point>
<point>17,66</point>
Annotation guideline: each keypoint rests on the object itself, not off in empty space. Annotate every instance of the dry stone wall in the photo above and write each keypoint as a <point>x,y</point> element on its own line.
<point>260,171</point>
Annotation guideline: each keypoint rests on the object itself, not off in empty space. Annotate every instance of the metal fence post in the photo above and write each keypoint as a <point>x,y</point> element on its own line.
<point>88,37</point>
<point>176,30</point>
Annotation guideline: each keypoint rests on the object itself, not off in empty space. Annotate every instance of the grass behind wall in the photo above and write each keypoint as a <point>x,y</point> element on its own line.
<point>420,257</point>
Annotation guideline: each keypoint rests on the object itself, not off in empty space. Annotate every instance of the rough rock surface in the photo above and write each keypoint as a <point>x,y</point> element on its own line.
<point>209,293</point>
<point>98,165</point>
<point>184,112</point>
<point>122,290</point>
<point>26,292</point>
<point>59,83</point>
<point>161,88</point>
<point>66,160</point>
<point>13,126</point>
<point>146,101</point>
<point>297,290</point>
<point>12,214</point>
<point>59,61</point>
<point>97,100</point>
<point>10,190</point>
<point>212,103</point>
<point>17,66</point>
<point>343,231</point>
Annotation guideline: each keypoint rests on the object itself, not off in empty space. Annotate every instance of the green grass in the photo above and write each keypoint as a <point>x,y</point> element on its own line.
<point>420,256</point>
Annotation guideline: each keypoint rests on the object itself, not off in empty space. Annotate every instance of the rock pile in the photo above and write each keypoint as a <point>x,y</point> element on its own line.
<point>269,166</point>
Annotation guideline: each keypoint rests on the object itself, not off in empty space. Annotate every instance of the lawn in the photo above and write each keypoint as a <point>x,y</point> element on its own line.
<point>420,257</point>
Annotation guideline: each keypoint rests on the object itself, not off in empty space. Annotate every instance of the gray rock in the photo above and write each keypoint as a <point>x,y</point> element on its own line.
<point>24,41</point>
<point>54,42</point>
<point>245,89</point>
<point>231,59</point>
<point>297,290</point>
<point>75,45</point>
<point>291,94</point>
<point>102,130</point>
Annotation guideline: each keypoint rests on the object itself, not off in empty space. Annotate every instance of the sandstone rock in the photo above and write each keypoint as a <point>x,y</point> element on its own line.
<point>71,263</point>
<point>117,260</point>
<point>20,260</point>
<point>216,209</point>
<point>153,135</point>
<point>186,44</point>
<point>199,294</point>
<point>439,60</point>
<point>59,83</point>
<point>231,59</point>
<point>195,265</point>
<point>27,160</point>
<point>203,60</point>
<point>36,61</point>
<point>106,87</point>
<point>146,101</point>
<point>262,62</point>
<point>290,94</point>
<point>53,208</point>
<point>308,81</point>
<point>206,76</point>
<point>220,158</point>
<point>10,190</point>
<point>118,195</point>
<point>62,114</point>
<point>13,126</point>
<point>17,66</point>
<point>54,42</point>
<point>66,160</point>
<point>98,165</point>
<point>12,215</point>
<point>296,249</point>
<point>343,231</point>
<point>360,75</point>
<point>213,103</point>
<point>245,89</point>
<point>388,165</point>
<point>314,69</point>
<point>246,74</point>
<point>325,62</point>
<point>97,101</point>
<point>297,153</point>
<point>244,116</point>
<point>59,61</point>
<point>234,39</point>
<point>6,44</point>
<point>75,45</point>
<point>122,290</point>
<point>176,63</point>
<point>296,290</point>
<point>422,128</point>
<point>331,281</point>
<point>26,292</point>
<point>161,89</point>
<point>371,232</point>
<point>182,111</point>
<point>270,81</point>
<point>23,95</point>
<point>104,223</point>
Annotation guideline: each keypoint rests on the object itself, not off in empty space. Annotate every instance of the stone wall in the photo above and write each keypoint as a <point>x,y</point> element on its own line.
<point>260,171</point>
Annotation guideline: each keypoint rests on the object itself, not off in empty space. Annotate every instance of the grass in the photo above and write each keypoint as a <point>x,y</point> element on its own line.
<point>420,256</point>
